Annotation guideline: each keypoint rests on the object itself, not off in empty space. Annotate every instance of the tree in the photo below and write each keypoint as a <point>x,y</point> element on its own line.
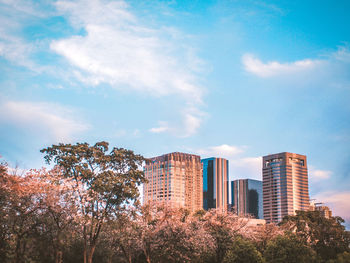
<point>35,215</point>
<point>104,183</point>
<point>223,228</point>
<point>58,210</point>
<point>327,236</point>
<point>122,236</point>
<point>341,258</point>
<point>20,214</point>
<point>288,248</point>
<point>4,229</point>
<point>262,234</point>
<point>242,251</point>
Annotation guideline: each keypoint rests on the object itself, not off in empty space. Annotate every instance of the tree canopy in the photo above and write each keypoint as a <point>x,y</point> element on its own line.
<point>327,236</point>
<point>103,181</point>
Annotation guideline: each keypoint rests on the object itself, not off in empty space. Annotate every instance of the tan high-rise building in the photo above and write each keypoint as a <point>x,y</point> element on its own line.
<point>285,185</point>
<point>323,209</point>
<point>174,178</point>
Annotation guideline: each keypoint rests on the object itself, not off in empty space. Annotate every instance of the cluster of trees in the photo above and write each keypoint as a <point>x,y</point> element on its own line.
<point>86,209</point>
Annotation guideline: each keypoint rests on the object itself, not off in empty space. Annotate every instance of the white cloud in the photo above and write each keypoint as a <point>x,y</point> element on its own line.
<point>119,50</point>
<point>239,167</point>
<point>13,47</point>
<point>337,201</point>
<point>247,167</point>
<point>17,51</point>
<point>274,68</point>
<point>163,127</point>
<point>224,151</point>
<point>316,174</point>
<point>44,119</point>
<point>188,126</point>
<point>23,8</point>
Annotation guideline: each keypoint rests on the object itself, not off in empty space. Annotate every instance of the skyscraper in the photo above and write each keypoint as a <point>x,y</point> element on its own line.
<point>215,183</point>
<point>175,178</point>
<point>246,197</point>
<point>285,185</point>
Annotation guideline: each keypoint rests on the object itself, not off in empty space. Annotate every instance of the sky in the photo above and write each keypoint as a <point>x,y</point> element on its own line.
<point>233,79</point>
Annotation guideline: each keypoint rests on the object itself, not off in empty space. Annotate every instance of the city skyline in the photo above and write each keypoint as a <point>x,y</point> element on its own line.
<point>232,79</point>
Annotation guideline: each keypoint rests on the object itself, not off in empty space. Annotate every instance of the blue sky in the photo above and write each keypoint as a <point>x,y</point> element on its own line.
<point>233,79</point>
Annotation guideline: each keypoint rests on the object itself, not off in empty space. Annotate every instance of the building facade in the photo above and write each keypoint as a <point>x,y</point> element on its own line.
<point>176,179</point>
<point>285,185</point>
<point>323,209</point>
<point>246,198</point>
<point>215,183</point>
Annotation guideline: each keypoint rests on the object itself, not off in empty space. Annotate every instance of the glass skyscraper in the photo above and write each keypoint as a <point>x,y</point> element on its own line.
<point>215,183</point>
<point>246,197</point>
<point>285,185</point>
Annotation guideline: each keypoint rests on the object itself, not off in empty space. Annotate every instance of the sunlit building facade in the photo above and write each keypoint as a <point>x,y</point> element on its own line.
<point>176,179</point>
<point>285,185</point>
<point>323,209</point>
<point>215,183</point>
<point>246,198</point>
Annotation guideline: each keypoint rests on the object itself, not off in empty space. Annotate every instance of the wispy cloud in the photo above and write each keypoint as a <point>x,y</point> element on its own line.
<point>44,119</point>
<point>273,68</point>
<point>224,151</point>
<point>192,119</point>
<point>247,167</point>
<point>14,47</point>
<point>163,127</point>
<point>239,167</point>
<point>328,67</point>
<point>119,50</point>
<point>317,174</point>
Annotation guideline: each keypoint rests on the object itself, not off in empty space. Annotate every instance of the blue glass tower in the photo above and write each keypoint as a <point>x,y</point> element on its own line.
<point>247,197</point>
<point>215,183</point>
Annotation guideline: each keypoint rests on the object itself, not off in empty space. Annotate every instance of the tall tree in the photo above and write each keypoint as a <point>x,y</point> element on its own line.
<point>223,227</point>
<point>327,236</point>
<point>104,183</point>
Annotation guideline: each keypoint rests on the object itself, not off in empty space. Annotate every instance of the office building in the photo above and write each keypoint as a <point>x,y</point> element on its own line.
<point>285,185</point>
<point>215,183</point>
<point>323,209</point>
<point>246,198</point>
<point>174,178</point>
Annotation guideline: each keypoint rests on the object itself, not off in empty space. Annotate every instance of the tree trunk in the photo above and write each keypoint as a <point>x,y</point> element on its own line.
<point>20,249</point>
<point>85,254</point>
<point>110,258</point>
<point>58,256</point>
<point>85,245</point>
<point>91,253</point>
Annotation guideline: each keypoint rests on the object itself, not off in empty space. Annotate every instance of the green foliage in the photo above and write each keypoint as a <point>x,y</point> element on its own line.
<point>104,183</point>
<point>341,258</point>
<point>113,176</point>
<point>327,236</point>
<point>242,251</point>
<point>288,248</point>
